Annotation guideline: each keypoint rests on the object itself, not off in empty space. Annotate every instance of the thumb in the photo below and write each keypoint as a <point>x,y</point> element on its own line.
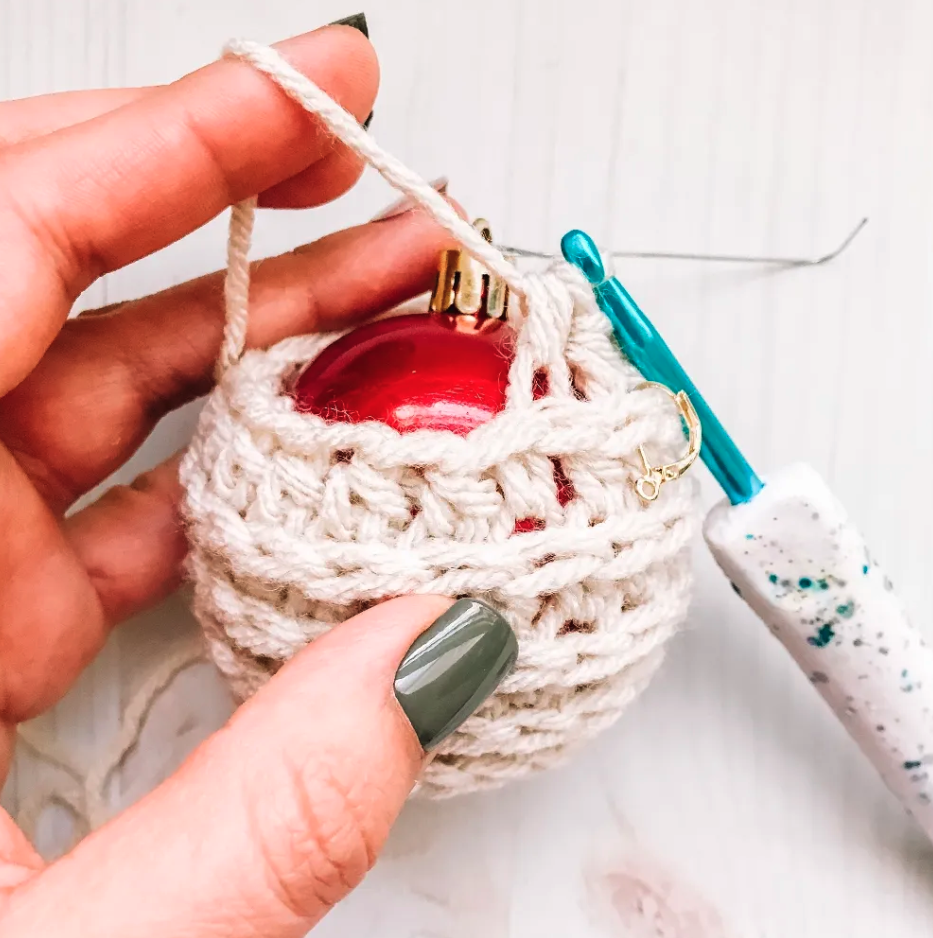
<point>280,814</point>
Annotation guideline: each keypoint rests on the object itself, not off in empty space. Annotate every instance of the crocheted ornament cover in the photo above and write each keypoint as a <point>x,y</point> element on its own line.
<point>297,523</point>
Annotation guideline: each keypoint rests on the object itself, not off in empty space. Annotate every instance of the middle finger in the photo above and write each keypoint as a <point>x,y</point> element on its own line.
<point>108,378</point>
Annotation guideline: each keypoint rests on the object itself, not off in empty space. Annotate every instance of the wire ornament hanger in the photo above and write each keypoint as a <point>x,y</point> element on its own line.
<point>715,258</point>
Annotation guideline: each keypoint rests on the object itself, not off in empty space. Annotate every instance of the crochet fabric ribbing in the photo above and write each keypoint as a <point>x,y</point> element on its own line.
<point>296,523</point>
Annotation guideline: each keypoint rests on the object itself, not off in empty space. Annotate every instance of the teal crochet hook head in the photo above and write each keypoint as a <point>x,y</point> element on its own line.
<point>648,352</point>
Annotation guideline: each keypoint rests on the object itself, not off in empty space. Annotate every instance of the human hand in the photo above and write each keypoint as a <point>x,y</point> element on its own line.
<point>278,815</point>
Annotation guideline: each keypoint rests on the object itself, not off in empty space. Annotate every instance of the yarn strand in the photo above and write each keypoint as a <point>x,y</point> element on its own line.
<point>236,283</point>
<point>342,124</point>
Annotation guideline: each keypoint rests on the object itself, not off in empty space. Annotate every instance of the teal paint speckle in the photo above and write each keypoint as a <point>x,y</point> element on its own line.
<point>912,764</point>
<point>904,673</point>
<point>865,569</point>
<point>846,610</point>
<point>773,578</point>
<point>824,635</point>
<point>805,582</point>
<point>749,537</point>
<point>824,585</point>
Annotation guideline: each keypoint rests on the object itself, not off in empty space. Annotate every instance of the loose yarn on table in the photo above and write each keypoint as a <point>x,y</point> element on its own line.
<point>296,523</point>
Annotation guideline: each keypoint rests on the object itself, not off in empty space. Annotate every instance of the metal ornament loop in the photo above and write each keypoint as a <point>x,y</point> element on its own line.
<point>648,486</point>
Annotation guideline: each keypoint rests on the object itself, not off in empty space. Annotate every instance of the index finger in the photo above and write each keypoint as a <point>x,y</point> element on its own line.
<point>94,197</point>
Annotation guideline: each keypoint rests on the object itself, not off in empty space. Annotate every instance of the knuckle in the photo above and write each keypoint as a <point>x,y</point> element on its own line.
<point>133,498</point>
<point>320,844</point>
<point>44,239</point>
<point>195,135</point>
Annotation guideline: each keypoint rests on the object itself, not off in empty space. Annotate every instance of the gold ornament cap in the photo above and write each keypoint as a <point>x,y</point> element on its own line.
<point>465,288</point>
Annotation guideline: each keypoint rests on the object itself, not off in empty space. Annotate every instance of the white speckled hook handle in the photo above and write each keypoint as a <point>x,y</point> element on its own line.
<point>796,559</point>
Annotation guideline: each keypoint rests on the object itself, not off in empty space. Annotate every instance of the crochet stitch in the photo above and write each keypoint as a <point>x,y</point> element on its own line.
<point>297,523</point>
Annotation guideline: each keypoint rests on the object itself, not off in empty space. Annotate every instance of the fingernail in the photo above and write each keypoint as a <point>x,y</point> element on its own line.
<point>453,667</point>
<point>406,203</point>
<point>357,21</point>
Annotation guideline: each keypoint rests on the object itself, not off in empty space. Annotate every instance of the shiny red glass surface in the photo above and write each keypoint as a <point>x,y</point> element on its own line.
<point>412,372</point>
<point>417,372</point>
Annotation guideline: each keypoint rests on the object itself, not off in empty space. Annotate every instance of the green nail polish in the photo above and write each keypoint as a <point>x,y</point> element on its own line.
<point>357,21</point>
<point>452,667</point>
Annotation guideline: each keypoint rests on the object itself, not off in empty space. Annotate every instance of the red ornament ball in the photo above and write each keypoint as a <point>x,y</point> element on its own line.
<point>411,372</point>
<point>419,372</point>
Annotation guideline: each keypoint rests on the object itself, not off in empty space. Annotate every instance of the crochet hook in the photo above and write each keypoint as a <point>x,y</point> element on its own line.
<point>792,553</point>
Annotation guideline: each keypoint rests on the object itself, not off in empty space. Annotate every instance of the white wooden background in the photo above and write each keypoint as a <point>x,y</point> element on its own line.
<point>727,802</point>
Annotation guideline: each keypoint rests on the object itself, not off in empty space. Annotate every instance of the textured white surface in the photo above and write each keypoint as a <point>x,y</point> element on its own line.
<point>728,802</point>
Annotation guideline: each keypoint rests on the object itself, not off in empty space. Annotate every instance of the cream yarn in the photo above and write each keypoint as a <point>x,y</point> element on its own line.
<point>296,523</point>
